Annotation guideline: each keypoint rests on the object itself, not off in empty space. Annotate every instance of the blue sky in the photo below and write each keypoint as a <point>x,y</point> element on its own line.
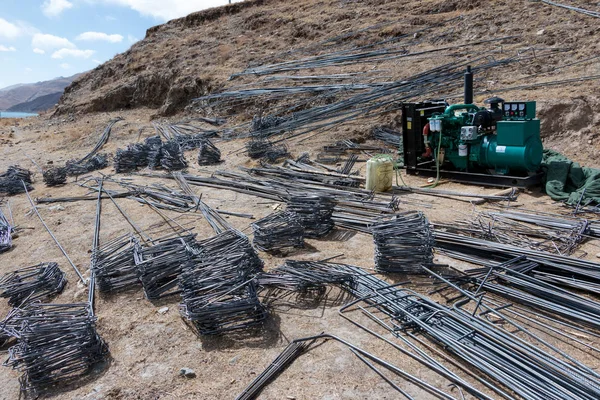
<point>44,39</point>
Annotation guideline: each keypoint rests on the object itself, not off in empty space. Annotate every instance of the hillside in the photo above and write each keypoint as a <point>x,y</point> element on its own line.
<point>21,93</point>
<point>42,103</point>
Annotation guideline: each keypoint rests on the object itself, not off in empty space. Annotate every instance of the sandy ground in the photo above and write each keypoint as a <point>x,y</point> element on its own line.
<point>149,348</point>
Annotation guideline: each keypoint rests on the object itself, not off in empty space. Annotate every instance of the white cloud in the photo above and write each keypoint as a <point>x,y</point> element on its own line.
<point>53,8</point>
<point>100,36</point>
<point>50,42</point>
<point>38,51</point>
<point>65,66</point>
<point>8,30</point>
<point>132,39</point>
<point>166,10</point>
<point>97,61</point>
<point>75,53</point>
<point>4,48</point>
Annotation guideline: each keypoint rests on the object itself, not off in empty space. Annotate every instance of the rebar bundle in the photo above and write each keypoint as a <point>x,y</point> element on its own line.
<point>131,158</point>
<point>304,276</point>
<point>6,231</point>
<point>55,176</point>
<point>389,136</point>
<point>403,243</point>
<point>259,123</point>
<point>172,156</point>
<point>101,142</point>
<point>208,154</point>
<point>114,264</point>
<point>38,282</point>
<point>154,145</point>
<point>218,289</point>
<point>58,344</point>
<point>278,232</point>
<point>257,147</point>
<point>275,153</point>
<point>314,213</point>
<point>159,265</point>
<point>94,163</point>
<point>10,181</point>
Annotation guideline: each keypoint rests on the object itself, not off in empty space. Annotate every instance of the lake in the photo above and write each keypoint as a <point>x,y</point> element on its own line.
<point>7,114</point>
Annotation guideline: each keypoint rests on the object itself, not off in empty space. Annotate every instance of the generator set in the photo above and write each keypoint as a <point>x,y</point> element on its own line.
<point>497,145</point>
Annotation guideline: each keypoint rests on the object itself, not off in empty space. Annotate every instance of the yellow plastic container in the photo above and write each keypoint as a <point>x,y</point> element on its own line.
<point>380,173</point>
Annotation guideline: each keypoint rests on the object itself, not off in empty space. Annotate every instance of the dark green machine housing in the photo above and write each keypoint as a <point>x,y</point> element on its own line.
<point>504,138</point>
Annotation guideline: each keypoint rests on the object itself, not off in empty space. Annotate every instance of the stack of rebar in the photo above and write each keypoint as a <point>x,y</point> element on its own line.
<point>278,232</point>
<point>389,136</point>
<point>403,243</point>
<point>114,264</point>
<point>314,213</point>
<point>57,344</point>
<point>257,147</point>
<point>38,282</point>
<point>131,158</point>
<point>94,163</point>
<point>209,153</point>
<point>10,181</point>
<point>218,287</point>
<point>275,153</point>
<point>172,158</point>
<point>259,123</point>
<point>154,145</point>
<point>55,176</point>
<point>159,265</point>
<point>6,231</point>
<point>304,276</point>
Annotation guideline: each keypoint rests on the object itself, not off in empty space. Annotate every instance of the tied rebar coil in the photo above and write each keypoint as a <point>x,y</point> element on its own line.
<point>208,153</point>
<point>38,282</point>
<point>94,163</point>
<point>314,212</point>
<point>10,181</point>
<point>114,264</point>
<point>134,156</point>
<point>278,232</point>
<point>172,156</point>
<point>55,176</point>
<point>154,144</point>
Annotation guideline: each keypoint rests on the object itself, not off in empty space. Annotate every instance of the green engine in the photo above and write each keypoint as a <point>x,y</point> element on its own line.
<point>504,138</point>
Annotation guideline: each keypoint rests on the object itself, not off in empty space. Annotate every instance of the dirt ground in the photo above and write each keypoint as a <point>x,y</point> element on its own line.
<point>149,348</point>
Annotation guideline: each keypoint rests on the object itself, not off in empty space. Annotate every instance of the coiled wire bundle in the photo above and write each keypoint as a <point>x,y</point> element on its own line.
<point>209,153</point>
<point>403,244</point>
<point>114,264</point>
<point>158,266</point>
<point>278,232</point>
<point>5,233</point>
<point>304,276</point>
<point>314,213</point>
<point>58,344</point>
<point>218,289</point>
<point>10,181</point>
<point>131,158</point>
<point>94,163</point>
<point>39,282</point>
<point>257,147</point>
<point>154,145</point>
<point>172,158</point>
<point>55,176</point>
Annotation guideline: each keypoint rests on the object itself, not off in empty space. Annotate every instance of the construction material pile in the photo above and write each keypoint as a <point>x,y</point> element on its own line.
<point>270,121</point>
<point>314,213</point>
<point>209,153</point>
<point>55,176</point>
<point>154,145</point>
<point>218,289</point>
<point>159,265</point>
<point>5,233</point>
<point>306,276</point>
<point>172,158</point>
<point>131,158</point>
<point>114,264</point>
<point>94,163</point>
<point>403,243</point>
<point>257,147</point>
<point>391,137</point>
<point>38,282</point>
<point>58,344</point>
<point>10,181</point>
<point>278,232</point>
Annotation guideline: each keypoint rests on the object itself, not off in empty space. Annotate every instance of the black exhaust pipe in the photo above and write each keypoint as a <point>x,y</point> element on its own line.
<point>468,86</point>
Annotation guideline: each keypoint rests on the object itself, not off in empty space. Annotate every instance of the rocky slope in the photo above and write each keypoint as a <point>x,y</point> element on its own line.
<point>38,104</point>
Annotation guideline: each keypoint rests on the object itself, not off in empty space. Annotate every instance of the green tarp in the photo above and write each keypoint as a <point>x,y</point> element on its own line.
<point>570,182</point>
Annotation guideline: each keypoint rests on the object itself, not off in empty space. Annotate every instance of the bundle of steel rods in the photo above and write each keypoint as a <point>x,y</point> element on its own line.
<point>403,243</point>
<point>154,145</point>
<point>159,265</point>
<point>38,282</point>
<point>389,136</point>
<point>275,153</point>
<point>218,287</point>
<point>10,181</point>
<point>257,147</point>
<point>172,158</point>
<point>6,231</point>
<point>131,158</point>
<point>114,264</point>
<point>209,153</point>
<point>55,176</point>
<point>57,344</point>
<point>278,232</point>
<point>94,163</point>
<point>346,169</point>
<point>314,213</point>
<point>259,122</point>
<point>101,142</point>
<point>304,276</point>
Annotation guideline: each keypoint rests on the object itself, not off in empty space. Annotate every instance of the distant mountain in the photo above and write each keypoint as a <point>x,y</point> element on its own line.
<point>38,104</point>
<point>21,93</point>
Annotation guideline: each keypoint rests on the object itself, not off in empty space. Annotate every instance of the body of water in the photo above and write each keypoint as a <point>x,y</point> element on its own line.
<point>7,114</point>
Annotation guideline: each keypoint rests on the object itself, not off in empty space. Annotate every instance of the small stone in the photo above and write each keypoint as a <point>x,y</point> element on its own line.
<point>187,373</point>
<point>598,255</point>
<point>233,361</point>
<point>56,208</point>
<point>540,32</point>
<point>163,310</point>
